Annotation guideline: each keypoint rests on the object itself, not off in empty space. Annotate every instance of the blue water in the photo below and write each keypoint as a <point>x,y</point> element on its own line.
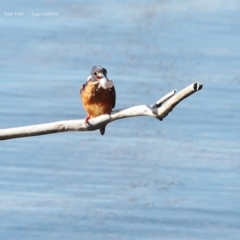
<point>144,179</point>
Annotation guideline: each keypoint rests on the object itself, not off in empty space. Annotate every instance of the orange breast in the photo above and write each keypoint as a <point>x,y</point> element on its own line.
<point>96,102</point>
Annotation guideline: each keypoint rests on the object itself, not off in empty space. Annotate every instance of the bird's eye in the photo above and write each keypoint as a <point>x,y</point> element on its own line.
<point>95,73</point>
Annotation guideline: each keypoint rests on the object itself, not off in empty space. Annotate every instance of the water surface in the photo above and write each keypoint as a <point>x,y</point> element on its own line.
<point>144,179</point>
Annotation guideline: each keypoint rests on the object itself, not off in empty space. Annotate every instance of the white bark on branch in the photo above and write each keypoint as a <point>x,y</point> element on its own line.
<point>158,110</point>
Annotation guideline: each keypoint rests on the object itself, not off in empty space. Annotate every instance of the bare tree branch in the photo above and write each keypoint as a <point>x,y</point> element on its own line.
<point>158,110</point>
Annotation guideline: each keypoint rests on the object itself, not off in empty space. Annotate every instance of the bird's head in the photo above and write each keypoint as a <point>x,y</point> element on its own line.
<point>97,73</point>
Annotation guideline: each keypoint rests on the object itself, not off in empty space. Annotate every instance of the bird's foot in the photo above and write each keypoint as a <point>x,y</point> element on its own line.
<point>86,120</point>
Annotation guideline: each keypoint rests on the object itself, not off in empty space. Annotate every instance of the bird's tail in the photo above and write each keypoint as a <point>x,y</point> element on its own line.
<point>102,130</point>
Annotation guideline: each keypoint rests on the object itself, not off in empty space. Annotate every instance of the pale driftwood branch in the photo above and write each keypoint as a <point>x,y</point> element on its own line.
<point>158,110</point>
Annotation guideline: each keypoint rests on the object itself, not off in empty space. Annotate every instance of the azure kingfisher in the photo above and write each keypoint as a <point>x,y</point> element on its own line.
<point>98,94</point>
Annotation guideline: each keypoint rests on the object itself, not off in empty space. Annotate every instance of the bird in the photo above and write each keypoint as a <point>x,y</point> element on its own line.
<point>98,94</point>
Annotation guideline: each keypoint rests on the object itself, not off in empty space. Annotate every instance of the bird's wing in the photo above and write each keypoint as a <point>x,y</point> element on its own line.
<point>113,96</point>
<point>82,87</point>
